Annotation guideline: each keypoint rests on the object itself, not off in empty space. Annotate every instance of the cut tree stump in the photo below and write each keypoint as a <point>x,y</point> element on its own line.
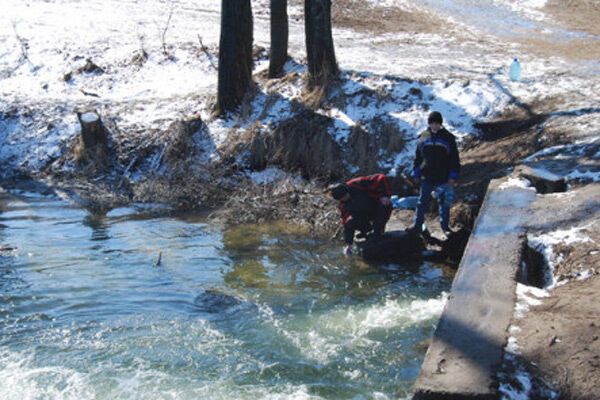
<point>94,138</point>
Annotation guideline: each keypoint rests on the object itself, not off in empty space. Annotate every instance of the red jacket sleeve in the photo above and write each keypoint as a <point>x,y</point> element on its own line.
<point>376,185</point>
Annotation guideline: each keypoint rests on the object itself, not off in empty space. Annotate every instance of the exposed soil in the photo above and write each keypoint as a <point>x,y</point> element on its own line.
<point>560,340</point>
<point>579,15</point>
<point>360,15</point>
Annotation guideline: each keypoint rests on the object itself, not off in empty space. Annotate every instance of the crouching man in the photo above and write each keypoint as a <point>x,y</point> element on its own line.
<point>365,206</point>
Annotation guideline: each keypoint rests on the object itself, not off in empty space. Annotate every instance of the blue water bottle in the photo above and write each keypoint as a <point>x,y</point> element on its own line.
<point>515,70</point>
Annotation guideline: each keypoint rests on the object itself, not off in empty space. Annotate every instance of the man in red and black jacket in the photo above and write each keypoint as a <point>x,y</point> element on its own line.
<point>365,205</point>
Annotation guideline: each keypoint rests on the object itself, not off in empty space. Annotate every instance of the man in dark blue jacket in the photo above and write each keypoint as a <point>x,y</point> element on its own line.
<point>437,166</point>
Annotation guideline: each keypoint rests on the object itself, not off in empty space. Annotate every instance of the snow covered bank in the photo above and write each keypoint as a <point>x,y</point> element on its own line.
<point>546,245</point>
<point>153,70</point>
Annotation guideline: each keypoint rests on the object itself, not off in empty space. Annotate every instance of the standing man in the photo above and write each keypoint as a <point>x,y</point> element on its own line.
<point>364,204</point>
<point>437,166</point>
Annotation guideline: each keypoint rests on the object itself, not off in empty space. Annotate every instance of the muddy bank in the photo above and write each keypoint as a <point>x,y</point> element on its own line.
<point>558,338</point>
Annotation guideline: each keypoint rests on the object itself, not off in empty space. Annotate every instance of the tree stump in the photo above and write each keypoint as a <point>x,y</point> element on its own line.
<point>94,138</point>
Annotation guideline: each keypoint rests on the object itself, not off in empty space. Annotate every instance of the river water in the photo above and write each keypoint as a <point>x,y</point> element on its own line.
<point>263,312</point>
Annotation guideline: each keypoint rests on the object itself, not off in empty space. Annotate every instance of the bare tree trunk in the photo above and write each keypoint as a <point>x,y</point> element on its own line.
<point>235,54</point>
<point>279,37</point>
<point>322,66</point>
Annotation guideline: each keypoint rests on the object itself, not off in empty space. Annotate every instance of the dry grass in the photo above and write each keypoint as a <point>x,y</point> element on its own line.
<point>303,205</point>
<point>314,97</point>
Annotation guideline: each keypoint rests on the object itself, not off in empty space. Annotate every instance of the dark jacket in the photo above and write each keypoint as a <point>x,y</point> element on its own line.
<point>364,211</point>
<point>436,157</point>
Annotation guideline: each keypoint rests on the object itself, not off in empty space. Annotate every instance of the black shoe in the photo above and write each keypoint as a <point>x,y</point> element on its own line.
<point>373,237</point>
<point>413,230</point>
<point>418,231</point>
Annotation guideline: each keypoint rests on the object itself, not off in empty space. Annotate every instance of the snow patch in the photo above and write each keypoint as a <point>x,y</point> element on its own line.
<point>518,385</point>
<point>529,8</point>
<point>544,244</point>
<point>586,176</point>
<point>528,296</point>
<point>268,175</point>
<point>516,183</point>
<point>584,275</point>
<point>402,4</point>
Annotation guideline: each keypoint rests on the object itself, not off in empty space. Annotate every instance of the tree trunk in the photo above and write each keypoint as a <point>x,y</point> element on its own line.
<point>322,66</point>
<point>94,140</point>
<point>235,54</point>
<point>279,37</point>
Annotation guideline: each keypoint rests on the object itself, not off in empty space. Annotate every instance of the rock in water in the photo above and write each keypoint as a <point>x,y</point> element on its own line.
<point>212,301</point>
<point>392,246</point>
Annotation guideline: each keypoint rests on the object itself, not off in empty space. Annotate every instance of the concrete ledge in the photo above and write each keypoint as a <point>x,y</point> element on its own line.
<point>468,344</point>
<point>543,181</point>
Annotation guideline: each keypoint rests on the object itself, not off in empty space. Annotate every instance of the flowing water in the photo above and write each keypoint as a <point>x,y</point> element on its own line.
<point>261,312</point>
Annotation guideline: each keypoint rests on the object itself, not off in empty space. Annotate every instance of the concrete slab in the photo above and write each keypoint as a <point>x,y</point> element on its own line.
<point>468,343</point>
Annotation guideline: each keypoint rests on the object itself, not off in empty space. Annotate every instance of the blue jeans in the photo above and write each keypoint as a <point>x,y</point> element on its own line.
<point>444,193</point>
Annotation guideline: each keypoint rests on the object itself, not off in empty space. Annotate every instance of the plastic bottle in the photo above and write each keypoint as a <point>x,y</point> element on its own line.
<point>515,70</point>
<point>404,203</point>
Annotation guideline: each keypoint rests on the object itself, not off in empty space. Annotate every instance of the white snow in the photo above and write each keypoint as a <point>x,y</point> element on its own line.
<point>528,8</point>
<point>544,244</point>
<point>587,170</point>
<point>89,117</point>
<point>577,175</point>
<point>268,175</point>
<point>585,275</point>
<point>516,182</point>
<point>527,296</point>
<point>404,4</point>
